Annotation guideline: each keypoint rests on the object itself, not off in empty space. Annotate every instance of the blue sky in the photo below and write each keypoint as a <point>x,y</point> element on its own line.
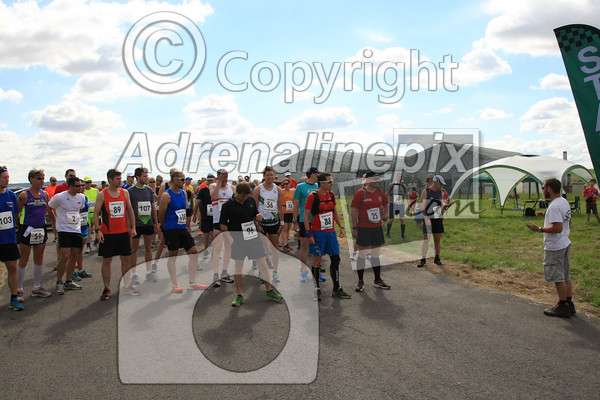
<point>66,99</point>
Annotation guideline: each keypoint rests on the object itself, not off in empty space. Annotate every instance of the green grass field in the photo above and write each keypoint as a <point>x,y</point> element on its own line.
<point>501,240</point>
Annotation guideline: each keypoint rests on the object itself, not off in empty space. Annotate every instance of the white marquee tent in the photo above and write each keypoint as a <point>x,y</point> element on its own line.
<point>507,172</point>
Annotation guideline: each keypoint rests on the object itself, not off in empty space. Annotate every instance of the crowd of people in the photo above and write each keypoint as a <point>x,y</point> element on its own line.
<point>237,218</point>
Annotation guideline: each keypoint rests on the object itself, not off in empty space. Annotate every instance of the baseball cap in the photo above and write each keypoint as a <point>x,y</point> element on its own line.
<point>210,177</point>
<point>87,179</point>
<point>438,178</point>
<point>130,174</point>
<point>188,178</point>
<point>288,173</point>
<point>312,170</point>
<point>371,174</point>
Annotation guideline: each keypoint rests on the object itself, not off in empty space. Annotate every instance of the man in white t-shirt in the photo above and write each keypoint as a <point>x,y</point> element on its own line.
<point>557,245</point>
<point>67,207</point>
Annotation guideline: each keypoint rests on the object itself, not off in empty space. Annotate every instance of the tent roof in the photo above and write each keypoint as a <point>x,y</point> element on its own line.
<point>507,172</point>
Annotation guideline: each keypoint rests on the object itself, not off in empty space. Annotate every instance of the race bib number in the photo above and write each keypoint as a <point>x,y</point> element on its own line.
<point>374,215</point>
<point>437,212</point>
<point>221,202</point>
<point>144,208</point>
<point>73,218</point>
<point>289,205</point>
<point>6,220</point>
<point>326,220</point>
<point>37,236</point>
<point>180,216</point>
<point>83,217</point>
<point>209,210</point>
<point>117,209</point>
<point>249,230</point>
<point>269,205</point>
<point>398,198</point>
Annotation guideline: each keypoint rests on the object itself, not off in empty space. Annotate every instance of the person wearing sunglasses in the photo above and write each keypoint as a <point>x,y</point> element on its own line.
<point>33,208</point>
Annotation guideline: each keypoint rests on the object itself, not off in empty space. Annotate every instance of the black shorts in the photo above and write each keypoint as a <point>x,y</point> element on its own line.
<point>302,231</point>
<point>146,230</point>
<point>115,244</point>
<point>591,208</point>
<point>9,252</point>
<point>206,224</point>
<point>178,238</point>
<point>437,226</point>
<point>253,249</point>
<point>289,217</point>
<point>70,239</point>
<point>370,237</point>
<point>271,229</point>
<point>25,239</point>
<point>188,212</point>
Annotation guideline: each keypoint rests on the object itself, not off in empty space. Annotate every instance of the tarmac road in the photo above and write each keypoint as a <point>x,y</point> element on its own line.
<point>426,338</point>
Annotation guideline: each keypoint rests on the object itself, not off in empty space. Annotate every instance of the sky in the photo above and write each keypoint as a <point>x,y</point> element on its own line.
<point>77,82</point>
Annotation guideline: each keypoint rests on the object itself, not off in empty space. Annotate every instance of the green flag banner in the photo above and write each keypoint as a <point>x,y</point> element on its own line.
<point>580,49</point>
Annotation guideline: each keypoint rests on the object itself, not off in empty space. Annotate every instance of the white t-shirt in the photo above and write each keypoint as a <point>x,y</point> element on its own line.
<point>558,211</point>
<point>67,209</point>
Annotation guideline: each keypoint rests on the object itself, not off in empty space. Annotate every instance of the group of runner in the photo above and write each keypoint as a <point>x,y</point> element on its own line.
<point>143,208</point>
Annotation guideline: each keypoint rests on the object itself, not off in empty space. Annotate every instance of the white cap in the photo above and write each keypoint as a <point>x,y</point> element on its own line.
<point>438,178</point>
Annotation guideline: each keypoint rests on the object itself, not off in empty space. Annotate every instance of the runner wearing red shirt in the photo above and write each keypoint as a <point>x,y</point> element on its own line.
<point>369,209</point>
<point>590,194</point>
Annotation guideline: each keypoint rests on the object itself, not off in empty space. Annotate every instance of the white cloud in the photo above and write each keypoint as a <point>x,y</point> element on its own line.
<point>527,26</point>
<point>492,113</point>
<point>103,87</point>
<point>10,95</point>
<point>552,116</point>
<point>74,37</point>
<point>76,117</point>
<point>374,36</point>
<point>444,110</point>
<point>481,64</point>
<point>388,120</point>
<point>331,118</point>
<point>555,81</point>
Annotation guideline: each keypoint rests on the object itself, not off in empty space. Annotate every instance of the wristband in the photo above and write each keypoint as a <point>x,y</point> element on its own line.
<point>541,230</point>
<point>309,234</point>
<point>282,223</point>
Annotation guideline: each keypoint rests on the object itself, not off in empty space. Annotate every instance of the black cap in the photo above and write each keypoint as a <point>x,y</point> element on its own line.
<point>371,174</point>
<point>313,170</point>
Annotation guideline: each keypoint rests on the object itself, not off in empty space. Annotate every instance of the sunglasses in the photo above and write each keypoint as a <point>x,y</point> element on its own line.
<point>39,179</point>
<point>151,181</point>
<point>52,180</point>
<point>77,185</point>
<point>285,183</point>
<point>329,181</point>
<point>181,179</point>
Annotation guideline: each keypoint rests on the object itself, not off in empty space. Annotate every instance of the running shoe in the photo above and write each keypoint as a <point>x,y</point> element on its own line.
<point>130,291</point>
<point>340,294</point>
<point>303,277</point>
<point>20,295</point>
<point>269,264</point>
<point>274,295</point>
<point>322,278</point>
<point>225,277</point>
<point>176,288</point>
<point>84,274</point>
<point>238,301</point>
<point>422,263</point>
<point>360,286</point>
<point>59,288</point>
<point>70,285</point>
<point>87,249</point>
<point>55,240</point>
<point>276,277</point>
<point>76,276</point>
<point>286,248</point>
<point>216,281</point>
<point>153,268</point>
<point>150,277</point>
<point>260,279</point>
<point>106,293</point>
<point>40,292</point>
<point>437,261</point>
<point>317,295</point>
<point>196,286</point>
<point>380,284</point>
<point>15,305</point>
<point>353,256</point>
<point>134,279</point>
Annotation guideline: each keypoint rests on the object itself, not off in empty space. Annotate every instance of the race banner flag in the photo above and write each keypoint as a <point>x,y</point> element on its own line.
<point>580,49</point>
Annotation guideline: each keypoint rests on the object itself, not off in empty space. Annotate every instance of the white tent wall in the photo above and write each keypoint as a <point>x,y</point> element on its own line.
<point>508,172</point>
